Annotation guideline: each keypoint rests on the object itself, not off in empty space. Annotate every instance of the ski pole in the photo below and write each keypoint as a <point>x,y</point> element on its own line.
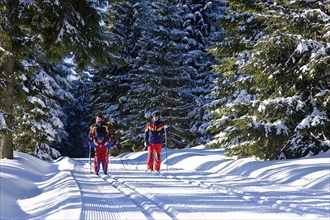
<point>166,149</point>
<point>90,163</point>
<point>121,159</point>
<point>166,158</point>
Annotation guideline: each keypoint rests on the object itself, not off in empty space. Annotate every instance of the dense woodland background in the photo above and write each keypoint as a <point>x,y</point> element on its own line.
<point>250,76</point>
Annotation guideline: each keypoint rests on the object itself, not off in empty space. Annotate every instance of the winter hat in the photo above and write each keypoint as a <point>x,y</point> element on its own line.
<point>155,113</point>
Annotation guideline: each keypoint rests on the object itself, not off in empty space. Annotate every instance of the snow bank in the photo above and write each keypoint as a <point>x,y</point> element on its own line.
<point>310,172</point>
<point>17,181</point>
<point>31,187</point>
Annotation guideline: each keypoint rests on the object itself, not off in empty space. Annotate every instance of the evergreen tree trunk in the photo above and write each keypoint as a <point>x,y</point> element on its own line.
<point>6,105</point>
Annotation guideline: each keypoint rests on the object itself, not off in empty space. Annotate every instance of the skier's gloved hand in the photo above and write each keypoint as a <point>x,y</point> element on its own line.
<point>146,144</point>
<point>166,128</point>
<point>109,145</point>
<point>92,144</point>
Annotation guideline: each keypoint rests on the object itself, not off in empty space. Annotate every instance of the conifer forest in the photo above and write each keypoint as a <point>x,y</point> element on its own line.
<point>252,77</point>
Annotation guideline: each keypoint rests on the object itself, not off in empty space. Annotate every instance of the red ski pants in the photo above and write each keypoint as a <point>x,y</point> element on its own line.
<point>154,163</point>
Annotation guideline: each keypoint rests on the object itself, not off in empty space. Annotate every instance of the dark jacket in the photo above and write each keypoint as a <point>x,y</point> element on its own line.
<point>100,130</point>
<point>154,132</point>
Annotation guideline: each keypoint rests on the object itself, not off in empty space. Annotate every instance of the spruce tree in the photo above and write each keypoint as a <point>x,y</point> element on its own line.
<point>78,120</point>
<point>232,92</point>
<point>52,28</point>
<point>273,103</point>
<point>40,117</point>
<point>305,76</point>
<point>200,19</point>
<point>111,82</point>
<point>164,80</point>
<point>131,101</point>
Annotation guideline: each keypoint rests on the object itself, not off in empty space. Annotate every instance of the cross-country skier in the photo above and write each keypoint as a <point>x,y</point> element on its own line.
<point>153,138</point>
<point>100,139</point>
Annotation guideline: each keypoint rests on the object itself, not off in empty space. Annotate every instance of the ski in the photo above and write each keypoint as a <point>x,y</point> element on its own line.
<point>153,172</point>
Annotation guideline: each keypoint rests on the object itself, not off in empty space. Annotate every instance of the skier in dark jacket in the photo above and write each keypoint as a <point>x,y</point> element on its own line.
<point>99,139</point>
<point>153,137</point>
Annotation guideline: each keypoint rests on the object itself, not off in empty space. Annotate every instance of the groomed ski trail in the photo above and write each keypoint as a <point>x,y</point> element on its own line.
<point>142,195</point>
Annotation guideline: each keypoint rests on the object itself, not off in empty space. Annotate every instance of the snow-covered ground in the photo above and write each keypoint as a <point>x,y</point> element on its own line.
<point>197,183</point>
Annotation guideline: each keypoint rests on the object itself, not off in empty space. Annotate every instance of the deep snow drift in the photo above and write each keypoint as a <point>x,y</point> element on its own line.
<point>295,189</point>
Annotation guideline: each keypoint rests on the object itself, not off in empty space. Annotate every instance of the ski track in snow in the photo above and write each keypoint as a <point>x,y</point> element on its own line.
<point>115,196</point>
<point>150,207</point>
<point>145,195</point>
<point>96,196</point>
<point>261,198</point>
